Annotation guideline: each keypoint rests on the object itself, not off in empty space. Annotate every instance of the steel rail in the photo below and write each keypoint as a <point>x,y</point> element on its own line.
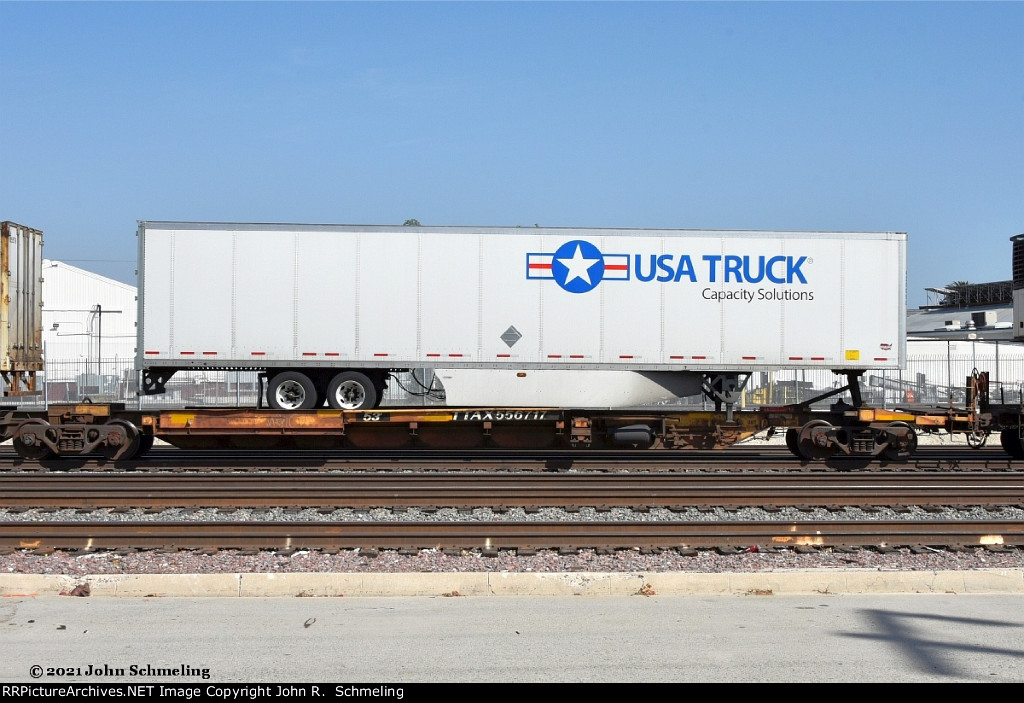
<point>638,491</point>
<point>493,536</point>
<point>769,457</point>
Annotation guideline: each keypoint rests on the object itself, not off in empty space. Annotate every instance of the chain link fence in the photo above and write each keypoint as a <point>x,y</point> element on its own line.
<point>935,380</point>
<point>116,381</point>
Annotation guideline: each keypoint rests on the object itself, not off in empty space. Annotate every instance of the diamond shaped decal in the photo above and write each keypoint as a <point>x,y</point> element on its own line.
<point>511,336</point>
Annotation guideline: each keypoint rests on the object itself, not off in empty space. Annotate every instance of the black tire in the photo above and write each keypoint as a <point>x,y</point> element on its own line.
<point>351,390</point>
<point>320,389</point>
<point>291,390</point>
<point>381,385</point>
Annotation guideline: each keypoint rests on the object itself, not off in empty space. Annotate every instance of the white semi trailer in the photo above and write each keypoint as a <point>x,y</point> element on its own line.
<point>513,317</point>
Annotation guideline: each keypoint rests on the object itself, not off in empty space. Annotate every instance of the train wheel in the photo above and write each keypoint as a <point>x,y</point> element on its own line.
<point>977,440</point>
<point>351,390</point>
<point>291,390</point>
<point>123,440</point>
<point>1011,441</point>
<point>145,443</point>
<point>792,437</point>
<point>812,443</point>
<point>903,450</point>
<point>28,440</point>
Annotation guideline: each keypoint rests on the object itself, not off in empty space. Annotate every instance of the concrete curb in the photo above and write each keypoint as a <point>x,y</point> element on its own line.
<point>821,581</point>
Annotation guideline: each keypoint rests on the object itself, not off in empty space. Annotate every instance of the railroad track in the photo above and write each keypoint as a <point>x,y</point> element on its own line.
<point>639,492</point>
<point>524,537</point>
<point>768,478</point>
<point>765,457</point>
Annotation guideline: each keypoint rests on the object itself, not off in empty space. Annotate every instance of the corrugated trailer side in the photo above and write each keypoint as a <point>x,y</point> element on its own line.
<point>21,306</point>
<point>312,299</point>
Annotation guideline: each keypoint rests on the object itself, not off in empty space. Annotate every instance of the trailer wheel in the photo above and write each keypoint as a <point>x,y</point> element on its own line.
<point>381,386</point>
<point>351,390</point>
<point>28,442</point>
<point>291,390</point>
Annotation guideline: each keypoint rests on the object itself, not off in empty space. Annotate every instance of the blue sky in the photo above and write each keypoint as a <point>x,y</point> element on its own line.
<point>842,116</point>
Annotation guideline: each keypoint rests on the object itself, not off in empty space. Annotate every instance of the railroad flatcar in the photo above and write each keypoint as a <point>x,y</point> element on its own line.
<point>541,337</point>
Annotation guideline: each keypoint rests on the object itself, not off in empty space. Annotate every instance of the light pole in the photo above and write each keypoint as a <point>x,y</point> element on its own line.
<point>98,310</point>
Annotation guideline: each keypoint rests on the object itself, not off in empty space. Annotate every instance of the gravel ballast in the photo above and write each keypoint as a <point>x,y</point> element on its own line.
<point>71,563</point>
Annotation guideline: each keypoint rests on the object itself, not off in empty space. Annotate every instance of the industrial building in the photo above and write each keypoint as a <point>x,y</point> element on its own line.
<point>88,333</point>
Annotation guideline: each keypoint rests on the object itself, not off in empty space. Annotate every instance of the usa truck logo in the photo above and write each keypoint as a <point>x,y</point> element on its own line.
<point>578,266</point>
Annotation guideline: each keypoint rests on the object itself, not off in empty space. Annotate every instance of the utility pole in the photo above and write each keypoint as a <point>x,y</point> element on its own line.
<point>98,310</point>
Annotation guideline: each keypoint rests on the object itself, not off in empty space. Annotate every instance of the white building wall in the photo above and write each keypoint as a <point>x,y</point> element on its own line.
<point>88,322</point>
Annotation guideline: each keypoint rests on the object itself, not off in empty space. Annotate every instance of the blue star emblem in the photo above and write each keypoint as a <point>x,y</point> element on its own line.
<point>578,266</point>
